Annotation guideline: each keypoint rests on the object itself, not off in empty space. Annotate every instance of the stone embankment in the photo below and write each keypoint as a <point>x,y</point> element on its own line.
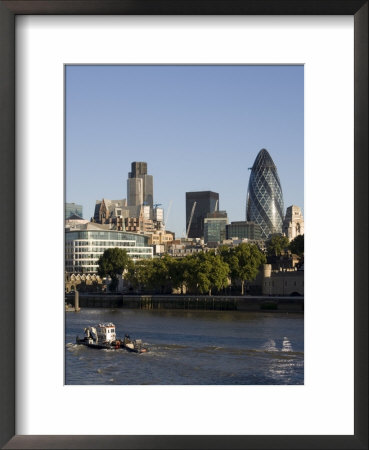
<point>191,302</point>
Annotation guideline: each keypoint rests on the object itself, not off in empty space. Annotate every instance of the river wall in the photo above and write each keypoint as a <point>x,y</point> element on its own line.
<point>191,302</point>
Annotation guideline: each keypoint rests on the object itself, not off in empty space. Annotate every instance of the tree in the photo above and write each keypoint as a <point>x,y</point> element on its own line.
<point>140,273</point>
<point>225,252</point>
<point>160,278</point>
<point>176,273</point>
<point>203,272</point>
<point>188,277</point>
<point>276,245</point>
<point>297,246</point>
<point>244,262</point>
<point>219,272</point>
<point>113,262</point>
<point>159,274</point>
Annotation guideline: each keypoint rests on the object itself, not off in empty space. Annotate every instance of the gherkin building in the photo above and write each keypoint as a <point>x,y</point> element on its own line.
<point>264,197</point>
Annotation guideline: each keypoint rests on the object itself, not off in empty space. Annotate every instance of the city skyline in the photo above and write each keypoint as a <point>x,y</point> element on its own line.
<point>199,128</point>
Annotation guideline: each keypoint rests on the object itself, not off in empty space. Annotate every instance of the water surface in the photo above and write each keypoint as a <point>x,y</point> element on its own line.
<point>190,347</point>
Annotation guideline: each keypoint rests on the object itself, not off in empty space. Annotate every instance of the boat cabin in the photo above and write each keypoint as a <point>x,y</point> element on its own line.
<point>106,332</point>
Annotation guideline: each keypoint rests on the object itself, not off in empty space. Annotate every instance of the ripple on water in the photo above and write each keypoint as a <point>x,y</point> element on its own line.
<point>229,348</point>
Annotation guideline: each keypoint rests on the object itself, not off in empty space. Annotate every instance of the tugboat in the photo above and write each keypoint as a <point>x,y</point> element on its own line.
<point>103,336</point>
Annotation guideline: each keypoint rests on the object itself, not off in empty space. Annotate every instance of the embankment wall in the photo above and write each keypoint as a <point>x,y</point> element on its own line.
<point>193,302</point>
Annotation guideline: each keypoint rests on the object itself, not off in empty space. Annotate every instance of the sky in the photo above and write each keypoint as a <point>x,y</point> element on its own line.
<point>198,128</point>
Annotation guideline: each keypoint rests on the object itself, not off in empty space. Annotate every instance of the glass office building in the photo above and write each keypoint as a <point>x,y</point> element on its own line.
<point>264,197</point>
<point>72,209</point>
<point>215,229</point>
<point>243,230</point>
<point>83,248</point>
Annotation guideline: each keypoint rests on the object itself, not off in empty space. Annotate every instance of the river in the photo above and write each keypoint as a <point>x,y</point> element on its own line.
<point>189,347</point>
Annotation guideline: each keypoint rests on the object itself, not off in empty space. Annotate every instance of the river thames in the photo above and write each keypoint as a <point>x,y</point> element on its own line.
<point>189,348</point>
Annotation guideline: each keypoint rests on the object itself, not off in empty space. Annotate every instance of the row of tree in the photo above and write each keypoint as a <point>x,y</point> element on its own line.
<point>200,273</point>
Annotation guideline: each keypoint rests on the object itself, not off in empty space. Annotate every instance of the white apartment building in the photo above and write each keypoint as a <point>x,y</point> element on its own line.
<point>84,246</point>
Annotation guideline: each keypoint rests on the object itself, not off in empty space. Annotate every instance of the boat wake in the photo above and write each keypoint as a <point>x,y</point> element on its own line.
<point>71,347</point>
<point>270,346</point>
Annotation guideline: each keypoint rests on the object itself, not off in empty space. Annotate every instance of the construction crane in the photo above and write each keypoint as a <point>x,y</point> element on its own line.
<point>166,217</point>
<point>155,205</point>
<point>191,216</point>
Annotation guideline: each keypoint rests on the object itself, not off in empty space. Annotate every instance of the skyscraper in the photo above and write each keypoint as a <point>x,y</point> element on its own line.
<point>264,197</point>
<point>206,202</point>
<point>139,185</point>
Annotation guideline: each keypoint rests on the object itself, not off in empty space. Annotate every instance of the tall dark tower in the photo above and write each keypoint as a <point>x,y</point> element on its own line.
<point>264,197</point>
<point>206,202</point>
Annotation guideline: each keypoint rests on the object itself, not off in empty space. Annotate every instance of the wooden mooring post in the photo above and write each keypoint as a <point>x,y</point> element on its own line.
<point>76,300</point>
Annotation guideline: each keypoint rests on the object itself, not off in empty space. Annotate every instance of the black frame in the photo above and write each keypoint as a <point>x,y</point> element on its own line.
<point>8,11</point>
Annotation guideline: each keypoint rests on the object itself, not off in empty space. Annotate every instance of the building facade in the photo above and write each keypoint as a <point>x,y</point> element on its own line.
<point>161,238</point>
<point>107,210</point>
<point>72,209</point>
<point>179,248</point>
<point>140,186</point>
<point>85,244</point>
<point>243,230</point>
<point>293,224</point>
<point>158,216</point>
<point>215,227</point>
<point>289,282</point>
<point>136,219</point>
<point>143,223</point>
<point>203,202</point>
<point>234,242</point>
<point>264,204</point>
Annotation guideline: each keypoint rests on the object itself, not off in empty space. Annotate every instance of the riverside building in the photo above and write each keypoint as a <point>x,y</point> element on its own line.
<point>264,204</point>
<point>86,243</point>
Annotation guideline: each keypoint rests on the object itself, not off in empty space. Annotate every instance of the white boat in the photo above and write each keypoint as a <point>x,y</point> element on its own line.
<point>103,336</point>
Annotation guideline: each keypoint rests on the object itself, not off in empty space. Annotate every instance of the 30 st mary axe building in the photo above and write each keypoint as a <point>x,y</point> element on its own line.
<point>264,197</point>
<point>139,185</point>
<point>198,205</point>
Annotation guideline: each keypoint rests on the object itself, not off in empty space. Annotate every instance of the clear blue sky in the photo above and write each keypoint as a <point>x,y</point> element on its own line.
<point>198,128</point>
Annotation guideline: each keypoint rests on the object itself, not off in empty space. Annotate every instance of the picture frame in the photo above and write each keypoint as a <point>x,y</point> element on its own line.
<point>8,11</point>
